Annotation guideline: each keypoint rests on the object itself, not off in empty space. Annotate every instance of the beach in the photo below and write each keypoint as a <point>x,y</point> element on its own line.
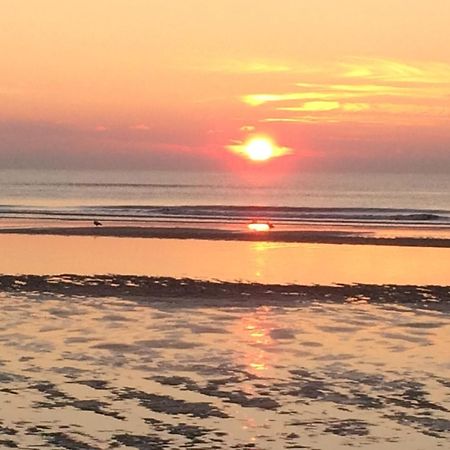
<point>224,225</point>
<point>172,325</point>
<point>153,372</point>
<point>113,341</point>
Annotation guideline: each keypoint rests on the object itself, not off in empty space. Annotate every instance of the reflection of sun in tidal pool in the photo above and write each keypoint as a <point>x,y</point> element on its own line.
<point>253,332</point>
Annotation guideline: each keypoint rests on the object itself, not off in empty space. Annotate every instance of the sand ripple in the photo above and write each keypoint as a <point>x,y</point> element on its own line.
<point>109,372</point>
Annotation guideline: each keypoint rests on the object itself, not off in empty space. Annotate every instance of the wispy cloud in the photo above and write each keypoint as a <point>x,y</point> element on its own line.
<point>302,119</point>
<point>361,90</point>
<point>260,99</point>
<point>313,106</point>
<point>396,71</point>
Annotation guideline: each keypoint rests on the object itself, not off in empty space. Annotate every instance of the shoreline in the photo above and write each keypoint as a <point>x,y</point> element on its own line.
<point>290,236</point>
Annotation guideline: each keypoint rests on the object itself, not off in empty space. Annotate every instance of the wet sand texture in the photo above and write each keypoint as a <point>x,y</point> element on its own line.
<point>187,292</point>
<point>105,372</point>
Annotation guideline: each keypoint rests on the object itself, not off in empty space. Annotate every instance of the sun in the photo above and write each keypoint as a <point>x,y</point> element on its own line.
<point>259,149</point>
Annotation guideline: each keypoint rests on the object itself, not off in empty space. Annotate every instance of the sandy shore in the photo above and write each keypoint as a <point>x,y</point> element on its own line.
<point>188,292</point>
<point>99,372</point>
<point>174,232</point>
<point>104,361</point>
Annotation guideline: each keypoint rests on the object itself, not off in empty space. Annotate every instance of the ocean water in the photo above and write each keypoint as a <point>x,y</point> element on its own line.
<point>226,197</point>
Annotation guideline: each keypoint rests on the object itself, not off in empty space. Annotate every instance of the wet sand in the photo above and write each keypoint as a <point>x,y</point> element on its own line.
<point>153,372</point>
<point>324,236</point>
<point>138,345</point>
<point>188,292</point>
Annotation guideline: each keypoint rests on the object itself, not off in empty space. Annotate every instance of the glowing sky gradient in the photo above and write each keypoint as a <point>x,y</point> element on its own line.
<point>348,84</point>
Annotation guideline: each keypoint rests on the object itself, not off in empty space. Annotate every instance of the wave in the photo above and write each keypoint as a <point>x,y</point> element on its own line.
<point>115,185</point>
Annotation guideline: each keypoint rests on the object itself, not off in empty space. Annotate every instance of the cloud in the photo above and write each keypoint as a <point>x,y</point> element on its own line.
<point>260,99</point>
<point>361,91</point>
<point>307,119</point>
<point>396,71</point>
<point>313,106</point>
<point>355,107</point>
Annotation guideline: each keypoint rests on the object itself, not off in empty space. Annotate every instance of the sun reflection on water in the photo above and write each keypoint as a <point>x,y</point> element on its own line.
<point>260,258</point>
<point>254,333</point>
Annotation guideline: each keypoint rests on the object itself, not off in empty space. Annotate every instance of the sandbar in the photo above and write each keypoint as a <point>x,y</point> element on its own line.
<point>203,233</point>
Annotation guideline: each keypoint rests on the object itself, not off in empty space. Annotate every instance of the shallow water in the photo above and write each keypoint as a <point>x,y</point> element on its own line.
<point>98,373</point>
<point>264,262</point>
<point>317,190</point>
<point>388,200</point>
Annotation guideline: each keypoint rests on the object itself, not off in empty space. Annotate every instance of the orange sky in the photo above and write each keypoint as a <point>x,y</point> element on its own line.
<point>356,84</point>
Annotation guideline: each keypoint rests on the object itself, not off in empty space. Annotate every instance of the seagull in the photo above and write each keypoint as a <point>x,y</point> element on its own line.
<point>97,223</point>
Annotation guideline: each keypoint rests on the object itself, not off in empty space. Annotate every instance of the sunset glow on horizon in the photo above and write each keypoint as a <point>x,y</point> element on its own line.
<point>225,224</point>
<point>109,84</point>
<point>259,149</point>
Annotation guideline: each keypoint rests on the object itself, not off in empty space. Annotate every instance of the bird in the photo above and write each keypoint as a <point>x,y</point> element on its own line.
<point>97,223</point>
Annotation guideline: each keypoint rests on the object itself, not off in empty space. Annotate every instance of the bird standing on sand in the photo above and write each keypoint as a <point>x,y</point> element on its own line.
<point>97,223</point>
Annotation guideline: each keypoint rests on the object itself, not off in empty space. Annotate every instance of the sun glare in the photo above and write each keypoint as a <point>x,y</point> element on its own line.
<point>259,149</point>
<point>258,226</point>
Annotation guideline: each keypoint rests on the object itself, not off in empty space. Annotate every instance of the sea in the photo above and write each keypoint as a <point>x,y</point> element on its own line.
<point>207,197</point>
